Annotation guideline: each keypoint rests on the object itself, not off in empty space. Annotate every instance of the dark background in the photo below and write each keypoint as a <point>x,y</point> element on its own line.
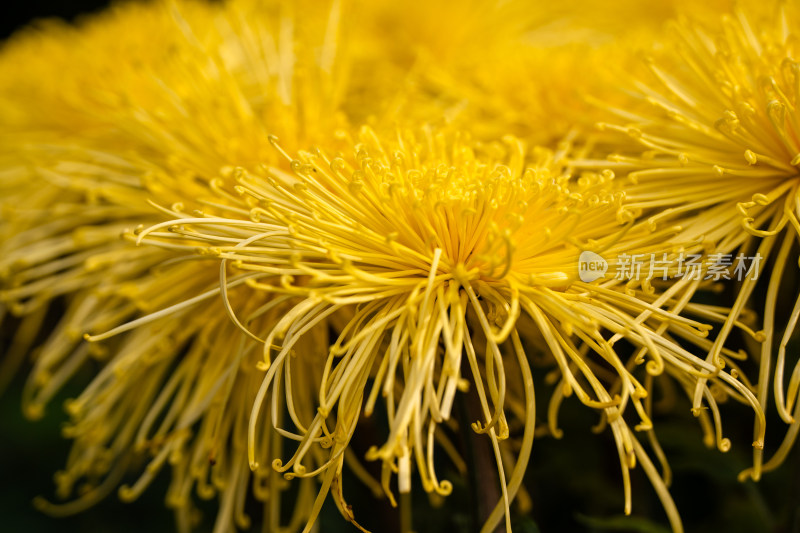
<point>18,13</point>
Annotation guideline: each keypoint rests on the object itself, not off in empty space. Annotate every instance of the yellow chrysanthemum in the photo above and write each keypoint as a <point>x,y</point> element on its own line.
<point>530,70</point>
<point>440,261</point>
<point>87,142</point>
<point>719,128</point>
<point>435,247</point>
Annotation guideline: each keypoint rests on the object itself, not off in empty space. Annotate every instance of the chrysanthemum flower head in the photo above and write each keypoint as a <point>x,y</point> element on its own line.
<point>217,82</point>
<point>82,159</point>
<point>713,144</point>
<point>432,246</point>
<point>264,222</point>
<point>721,98</point>
<point>533,78</point>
